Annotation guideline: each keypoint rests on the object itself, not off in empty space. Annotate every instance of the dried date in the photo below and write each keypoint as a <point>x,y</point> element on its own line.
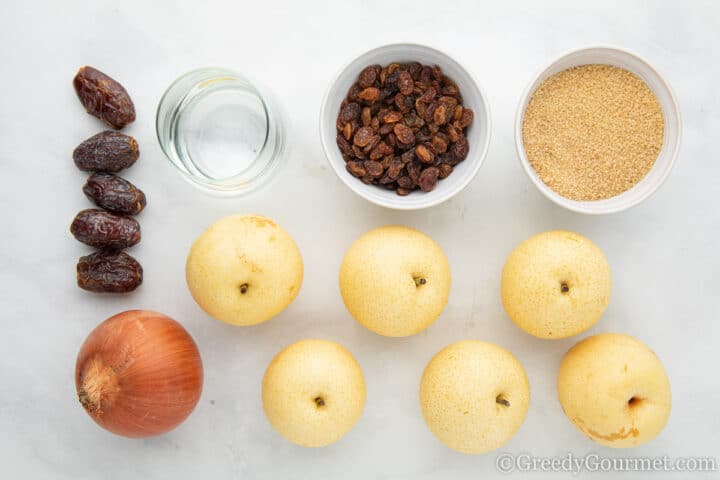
<point>102,229</point>
<point>107,151</point>
<point>114,194</point>
<point>109,271</point>
<point>103,97</point>
<point>403,127</point>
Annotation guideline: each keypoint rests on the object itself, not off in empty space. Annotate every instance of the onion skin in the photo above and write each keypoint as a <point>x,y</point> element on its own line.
<point>139,374</point>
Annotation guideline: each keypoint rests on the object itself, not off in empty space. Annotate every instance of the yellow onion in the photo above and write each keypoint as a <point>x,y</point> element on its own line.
<point>139,374</point>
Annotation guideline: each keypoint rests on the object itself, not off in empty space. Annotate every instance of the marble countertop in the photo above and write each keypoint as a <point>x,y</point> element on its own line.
<point>663,253</point>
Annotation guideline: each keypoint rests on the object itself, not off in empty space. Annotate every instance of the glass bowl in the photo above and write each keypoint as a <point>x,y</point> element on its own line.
<point>219,131</point>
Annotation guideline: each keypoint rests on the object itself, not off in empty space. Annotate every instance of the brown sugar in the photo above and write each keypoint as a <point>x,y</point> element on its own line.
<point>592,132</point>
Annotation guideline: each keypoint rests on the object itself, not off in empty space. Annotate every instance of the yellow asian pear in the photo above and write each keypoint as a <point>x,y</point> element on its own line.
<point>615,390</point>
<point>474,396</point>
<point>556,284</point>
<point>395,281</point>
<point>244,269</point>
<point>313,392</point>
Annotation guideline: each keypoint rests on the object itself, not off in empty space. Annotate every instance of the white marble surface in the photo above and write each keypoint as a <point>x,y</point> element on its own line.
<point>663,253</point>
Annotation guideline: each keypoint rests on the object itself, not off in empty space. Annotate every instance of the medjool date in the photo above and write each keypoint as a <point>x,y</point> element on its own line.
<point>114,194</point>
<point>106,152</point>
<point>102,229</point>
<point>109,271</point>
<point>103,97</point>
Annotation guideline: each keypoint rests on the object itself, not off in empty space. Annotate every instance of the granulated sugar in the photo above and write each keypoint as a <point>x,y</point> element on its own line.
<point>592,132</point>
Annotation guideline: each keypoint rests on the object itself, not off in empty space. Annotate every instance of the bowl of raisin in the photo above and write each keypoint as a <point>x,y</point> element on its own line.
<point>405,126</point>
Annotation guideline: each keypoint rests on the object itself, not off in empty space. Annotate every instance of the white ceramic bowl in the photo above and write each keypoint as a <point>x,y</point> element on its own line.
<point>478,133</point>
<point>664,162</point>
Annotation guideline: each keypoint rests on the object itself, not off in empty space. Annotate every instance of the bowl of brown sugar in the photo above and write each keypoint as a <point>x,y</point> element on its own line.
<point>598,130</point>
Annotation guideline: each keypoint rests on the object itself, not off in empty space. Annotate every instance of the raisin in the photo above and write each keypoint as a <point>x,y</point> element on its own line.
<point>374,169</point>
<point>424,154</point>
<point>367,77</point>
<point>106,152</point>
<point>430,112</point>
<point>353,92</point>
<point>428,179</point>
<point>370,94</point>
<point>356,168</point>
<point>350,112</point>
<point>357,152</point>
<point>385,149</point>
<point>449,159</point>
<point>425,75</point>
<point>348,131</point>
<point>420,108</point>
<point>405,182</point>
<point>453,133</point>
<point>450,104</point>
<point>102,229</point>
<point>440,115</point>
<point>108,271</point>
<point>445,170</point>
<point>114,193</point>
<point>405,83</point>
<point>392,117</point>
<point>414,69</point>
<point>403,191</point>
<point>466,118</point>
<point>385,129</point>
<point>408,156</point>
<point>428,96</point>
<point>400,102</point>
<point>374,140</point>
<point>345,147</point>
<point>424,135</point>
<point>404,134</point>
<point>391,80</point>
<point>437,72</point>
<point>458,113</point>
<point>366,117</point>
<point>439,144</point>
<point>363,136</point>
<point>413,121</point>
<point>413,170</point>
<point>460,148</point>
<point>395,167</point>
<point>104,97</point>
<point>451,90</point>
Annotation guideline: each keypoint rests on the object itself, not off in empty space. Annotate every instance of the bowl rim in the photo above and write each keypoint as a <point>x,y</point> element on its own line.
<point>399,203</point>
<point>580,206</point>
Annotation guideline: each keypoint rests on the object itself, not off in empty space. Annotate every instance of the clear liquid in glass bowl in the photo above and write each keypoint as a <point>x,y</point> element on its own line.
<point>218,130</point>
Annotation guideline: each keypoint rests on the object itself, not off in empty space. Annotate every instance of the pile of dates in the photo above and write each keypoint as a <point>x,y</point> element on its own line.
<point>110,228</point>
<point>403,127</point>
